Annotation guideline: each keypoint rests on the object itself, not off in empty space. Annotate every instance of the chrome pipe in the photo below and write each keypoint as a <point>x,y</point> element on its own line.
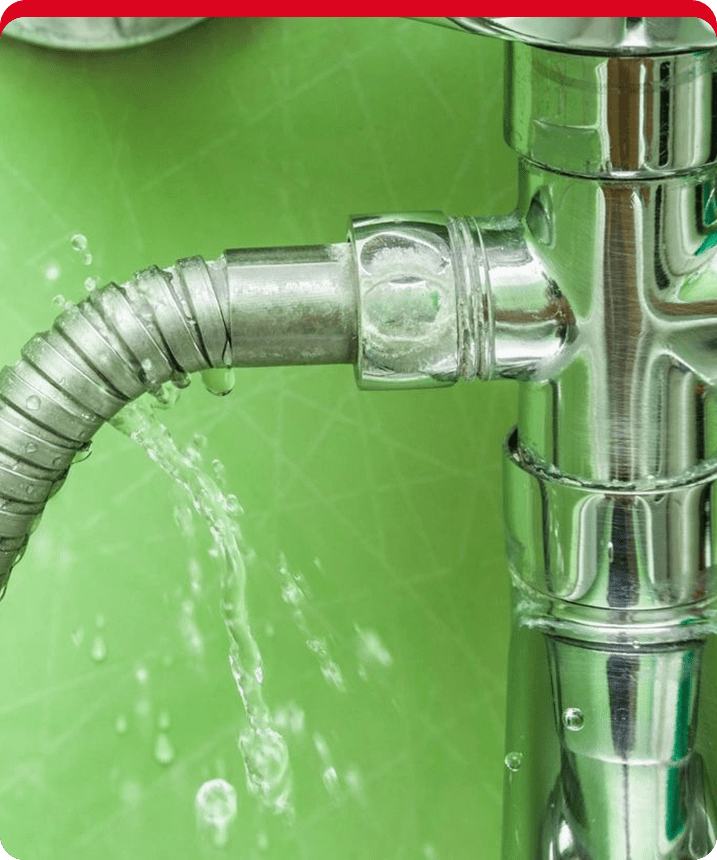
<point>612,467</point>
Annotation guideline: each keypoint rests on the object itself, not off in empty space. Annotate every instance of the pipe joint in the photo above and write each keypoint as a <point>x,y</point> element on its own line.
<point>447,299</point>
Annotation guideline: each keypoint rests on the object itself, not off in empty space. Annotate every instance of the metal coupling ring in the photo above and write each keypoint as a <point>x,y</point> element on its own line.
<point>407,333</point>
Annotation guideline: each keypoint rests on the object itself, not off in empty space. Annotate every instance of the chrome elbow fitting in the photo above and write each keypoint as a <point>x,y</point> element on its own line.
<point>446,299</point>
<point>407,301</point>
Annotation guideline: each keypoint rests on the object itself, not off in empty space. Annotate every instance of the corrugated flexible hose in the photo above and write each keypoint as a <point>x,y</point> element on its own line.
<point>256,307</point>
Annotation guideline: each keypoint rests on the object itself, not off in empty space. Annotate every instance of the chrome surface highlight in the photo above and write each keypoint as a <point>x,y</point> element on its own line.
<point>633,36</point>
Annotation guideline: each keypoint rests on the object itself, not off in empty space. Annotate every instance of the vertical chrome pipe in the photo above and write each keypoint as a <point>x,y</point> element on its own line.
<point>611,471</point>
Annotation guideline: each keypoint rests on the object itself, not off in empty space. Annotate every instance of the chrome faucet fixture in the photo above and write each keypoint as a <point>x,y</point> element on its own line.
<point>598,294</point>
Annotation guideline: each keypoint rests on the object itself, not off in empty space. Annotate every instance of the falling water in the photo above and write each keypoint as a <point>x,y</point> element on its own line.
<point>263,748</point>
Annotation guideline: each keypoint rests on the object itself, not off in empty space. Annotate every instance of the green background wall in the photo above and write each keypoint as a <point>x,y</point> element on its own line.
<point>238,133</point>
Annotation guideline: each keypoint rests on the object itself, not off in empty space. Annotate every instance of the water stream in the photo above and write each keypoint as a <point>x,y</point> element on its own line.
<point>261,744</point>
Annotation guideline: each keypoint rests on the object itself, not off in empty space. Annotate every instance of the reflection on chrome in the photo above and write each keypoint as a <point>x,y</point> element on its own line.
<point>611,470</point>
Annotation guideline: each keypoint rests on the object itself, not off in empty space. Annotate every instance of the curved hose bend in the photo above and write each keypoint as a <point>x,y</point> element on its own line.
<point>404,299</point>
<point>292,306</point>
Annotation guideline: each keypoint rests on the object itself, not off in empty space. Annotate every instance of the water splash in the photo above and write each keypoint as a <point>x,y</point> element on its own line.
<point>293,592</point>
<point>262,746</point>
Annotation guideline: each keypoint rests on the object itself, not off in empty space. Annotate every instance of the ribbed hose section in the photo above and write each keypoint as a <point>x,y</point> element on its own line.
<point>125,340</point>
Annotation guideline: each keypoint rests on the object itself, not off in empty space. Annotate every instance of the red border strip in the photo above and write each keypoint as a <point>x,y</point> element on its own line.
<point>32,8</point>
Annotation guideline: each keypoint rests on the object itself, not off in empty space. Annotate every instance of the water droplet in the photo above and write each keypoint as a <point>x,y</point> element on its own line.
<point>220,472</point>
<point>354,782</point>
<point>99,620</point>
<point>328,775</point>
<point>31,489</point>
<point>163,720</point>
<point>163,749</point>
<point>52,272</point>
<point>181,380</point>
<point>259,675</point>
<point>30,447</point>
<point>330,779</point>
<point>82,455</point>
<point>573,719</point>
<point>371,649</point>
<point>218,380</point>
<point>216,802</point>
<point>77,636</point>
<point>33,403</point>
<point>121,724</point>
<point>318,646</point>
<point>78,242</point>
<point>98,651</point>
<point>513,761</point>
<point>216,805</point>
<point>142,675</point>
<point>291,593</point>
<point>91,284</point>
<point>87,258</point>
<point>57,461</point>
